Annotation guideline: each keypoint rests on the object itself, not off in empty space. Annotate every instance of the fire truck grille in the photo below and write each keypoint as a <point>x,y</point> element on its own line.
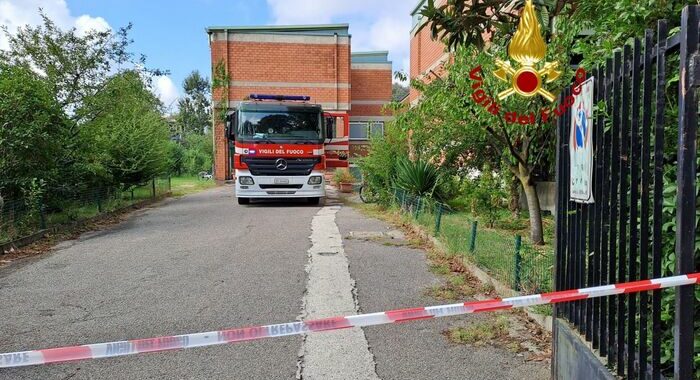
<point>281,186</point>
<point>273,167</point>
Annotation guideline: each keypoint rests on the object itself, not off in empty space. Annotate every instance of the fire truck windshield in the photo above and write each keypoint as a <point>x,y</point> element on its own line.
<point>293,127</point>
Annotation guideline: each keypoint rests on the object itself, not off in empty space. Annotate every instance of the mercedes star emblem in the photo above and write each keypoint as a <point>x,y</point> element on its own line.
<point>281,164</point>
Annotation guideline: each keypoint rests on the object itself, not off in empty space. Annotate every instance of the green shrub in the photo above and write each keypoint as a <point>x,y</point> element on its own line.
<point>449,187</point>
<point>343,176</point>
<point>199,154</point>
<point>33,132</point>
<point>379,166</point>
<point>130,138</point>
<point>176,158</point>
<point>484,196</point>
<point>418,178</point>
<point>194,154</point>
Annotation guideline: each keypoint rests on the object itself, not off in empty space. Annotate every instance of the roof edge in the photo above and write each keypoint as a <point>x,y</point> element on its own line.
<point>278,27</point>
<point>371,52</point>
<point>417,7</point>
<point>371,57</point>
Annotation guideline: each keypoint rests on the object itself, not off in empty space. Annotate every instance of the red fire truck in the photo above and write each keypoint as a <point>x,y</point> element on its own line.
<point>283,145</point>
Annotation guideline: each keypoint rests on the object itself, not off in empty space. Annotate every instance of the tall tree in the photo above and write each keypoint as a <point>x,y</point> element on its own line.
<point>74,64</point>
<point>131,137</point>
<point>195,107</point>
<point>32,129</point>
<point>76,67</point>
<point>477,39</point>
<point>464,22</point>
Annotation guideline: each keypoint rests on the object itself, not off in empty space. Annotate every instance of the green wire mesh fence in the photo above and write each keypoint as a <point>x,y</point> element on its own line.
<point>504,256</point>
<point>23,217</point>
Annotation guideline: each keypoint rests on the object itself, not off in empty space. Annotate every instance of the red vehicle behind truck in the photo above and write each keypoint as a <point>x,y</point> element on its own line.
<point>283,146</point>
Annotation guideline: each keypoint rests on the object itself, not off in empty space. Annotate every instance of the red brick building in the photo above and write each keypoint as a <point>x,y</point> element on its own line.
<point>313,60</point>
<point>427,55</point>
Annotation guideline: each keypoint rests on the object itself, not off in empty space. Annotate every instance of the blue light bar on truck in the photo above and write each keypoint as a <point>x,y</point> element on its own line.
<point>302,98</point>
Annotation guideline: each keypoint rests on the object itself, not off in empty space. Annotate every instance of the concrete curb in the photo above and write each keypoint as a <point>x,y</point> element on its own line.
<point>545,321</point>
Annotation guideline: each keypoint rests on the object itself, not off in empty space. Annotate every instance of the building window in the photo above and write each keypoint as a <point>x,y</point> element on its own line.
<point>358,131</point>
<point>339,127</point>
<point>362,130</point>
<point>377,128</point>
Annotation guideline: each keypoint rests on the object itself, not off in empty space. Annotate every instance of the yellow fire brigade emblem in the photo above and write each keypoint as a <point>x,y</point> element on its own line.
<point>527,48</point>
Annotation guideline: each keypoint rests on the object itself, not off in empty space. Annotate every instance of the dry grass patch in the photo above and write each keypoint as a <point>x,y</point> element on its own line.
<point>486,332</point>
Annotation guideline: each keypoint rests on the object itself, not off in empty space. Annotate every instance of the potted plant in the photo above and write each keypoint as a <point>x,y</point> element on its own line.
<point>344,180</point>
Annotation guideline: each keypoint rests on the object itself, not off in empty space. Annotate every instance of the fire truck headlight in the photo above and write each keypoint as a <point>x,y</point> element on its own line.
<point>245,180</point>
<point>315,180</point>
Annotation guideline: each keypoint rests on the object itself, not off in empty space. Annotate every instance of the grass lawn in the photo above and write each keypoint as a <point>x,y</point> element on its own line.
<point>495,246</point>
<point>189,184</point>
<point>494,250</point>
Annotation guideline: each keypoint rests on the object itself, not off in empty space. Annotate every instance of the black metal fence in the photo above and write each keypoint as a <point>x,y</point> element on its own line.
<point>20,218</point>
<point>642,224</point>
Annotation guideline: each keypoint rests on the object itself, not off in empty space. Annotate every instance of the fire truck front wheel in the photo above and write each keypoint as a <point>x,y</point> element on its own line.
<point>243,201</point>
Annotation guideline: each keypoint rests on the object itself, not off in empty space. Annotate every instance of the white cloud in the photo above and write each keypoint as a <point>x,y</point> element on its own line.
<point>166,91</point>
<point>374,25</point>
<point>16,13</point>
<point>312,11</point>
<point>87,23</point>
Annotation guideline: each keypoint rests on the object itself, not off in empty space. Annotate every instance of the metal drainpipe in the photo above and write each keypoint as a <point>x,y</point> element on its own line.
<point>227,153</point>
<point>212,37</point>
<point>335,66</point>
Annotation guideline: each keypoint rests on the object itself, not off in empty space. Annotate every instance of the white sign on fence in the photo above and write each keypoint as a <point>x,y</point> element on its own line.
<point>581,145</point>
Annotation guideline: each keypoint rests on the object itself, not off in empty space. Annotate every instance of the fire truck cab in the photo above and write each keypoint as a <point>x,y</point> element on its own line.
<point>280,147</point>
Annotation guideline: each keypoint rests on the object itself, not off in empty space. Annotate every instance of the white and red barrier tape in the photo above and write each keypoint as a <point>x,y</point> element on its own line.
<point>165,343</point>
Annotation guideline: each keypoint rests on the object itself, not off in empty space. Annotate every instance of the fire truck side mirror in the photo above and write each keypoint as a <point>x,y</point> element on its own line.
<point>231,125</point>
<point>330,127</point>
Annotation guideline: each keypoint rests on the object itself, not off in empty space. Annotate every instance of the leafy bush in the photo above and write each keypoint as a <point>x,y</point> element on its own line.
<point>176,158</point>
<point>668,306</point>
<point>448,187</point>
<point>485,196</point>
<point>130,138</point>
<point>32,131</point>
<point>73,116</point>
<point>379,166</point>
<point>343,176</point>
<point>199,152</point>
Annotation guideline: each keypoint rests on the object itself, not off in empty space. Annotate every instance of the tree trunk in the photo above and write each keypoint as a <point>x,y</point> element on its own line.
<point>514,202</point>
<point>533,207</point>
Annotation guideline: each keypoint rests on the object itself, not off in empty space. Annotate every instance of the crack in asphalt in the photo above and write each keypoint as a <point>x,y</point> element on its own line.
<point>331,291</point>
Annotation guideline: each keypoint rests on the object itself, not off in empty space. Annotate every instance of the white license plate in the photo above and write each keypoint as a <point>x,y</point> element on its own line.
<point>281,181</point>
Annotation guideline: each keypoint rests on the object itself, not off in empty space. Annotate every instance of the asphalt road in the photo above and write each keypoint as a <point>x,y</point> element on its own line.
<point>202,263</point>
<point>396,277</point>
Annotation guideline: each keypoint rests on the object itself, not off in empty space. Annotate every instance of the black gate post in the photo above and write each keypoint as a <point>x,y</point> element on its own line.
<point>685,177</point>
<point>559,239</point>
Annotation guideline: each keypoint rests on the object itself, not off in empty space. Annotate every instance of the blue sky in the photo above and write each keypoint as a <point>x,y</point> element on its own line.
<point>171,32</point>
